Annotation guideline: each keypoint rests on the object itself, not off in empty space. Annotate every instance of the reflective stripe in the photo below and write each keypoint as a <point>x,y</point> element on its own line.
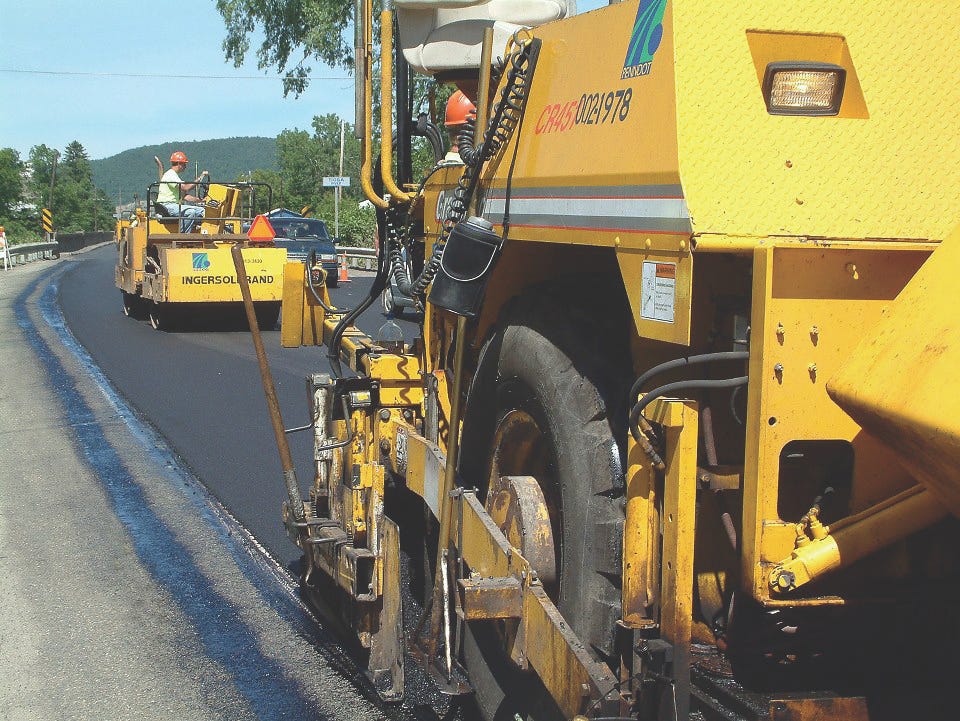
<point>652,208</point>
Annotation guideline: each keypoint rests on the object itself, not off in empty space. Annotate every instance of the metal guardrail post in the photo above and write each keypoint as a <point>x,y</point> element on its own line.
<point>360,258</point>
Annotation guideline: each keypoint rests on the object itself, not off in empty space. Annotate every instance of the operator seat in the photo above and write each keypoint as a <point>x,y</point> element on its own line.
<point>443,37</point>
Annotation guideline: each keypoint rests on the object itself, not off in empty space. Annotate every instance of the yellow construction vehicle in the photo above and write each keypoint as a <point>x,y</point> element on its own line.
<point>677,439</point>
<point>162,272</point>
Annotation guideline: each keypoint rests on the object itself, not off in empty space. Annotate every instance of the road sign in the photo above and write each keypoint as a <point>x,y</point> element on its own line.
<point>336,181</point>
<point>46,219</point>
<point>261,230</point>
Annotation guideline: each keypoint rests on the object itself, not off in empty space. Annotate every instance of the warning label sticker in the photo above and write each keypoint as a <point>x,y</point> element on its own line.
<point>659,291</point>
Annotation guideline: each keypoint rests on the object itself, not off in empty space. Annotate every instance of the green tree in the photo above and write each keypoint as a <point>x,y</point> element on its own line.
<point>41,161</point>
<point>75,165</point>
<point>305,158</point>
<point>11,190</point>
<point>77,204</point>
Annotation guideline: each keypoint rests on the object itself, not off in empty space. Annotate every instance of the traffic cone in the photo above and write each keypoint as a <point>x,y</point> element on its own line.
<point>343,277</point>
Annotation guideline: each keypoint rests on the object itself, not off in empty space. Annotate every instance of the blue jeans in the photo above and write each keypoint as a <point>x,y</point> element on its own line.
<point>188,214</point>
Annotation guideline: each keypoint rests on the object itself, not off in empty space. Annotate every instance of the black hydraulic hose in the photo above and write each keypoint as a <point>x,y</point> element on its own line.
<point>698,384</point>
<point>425,129</point>
<point>689,360</point>
<point>379,283</point>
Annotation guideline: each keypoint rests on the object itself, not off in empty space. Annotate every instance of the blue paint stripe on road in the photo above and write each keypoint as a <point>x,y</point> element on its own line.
<point>226,639</point>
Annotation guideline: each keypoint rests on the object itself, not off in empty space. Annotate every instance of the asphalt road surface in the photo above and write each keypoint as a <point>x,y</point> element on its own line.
<point>200,388</point>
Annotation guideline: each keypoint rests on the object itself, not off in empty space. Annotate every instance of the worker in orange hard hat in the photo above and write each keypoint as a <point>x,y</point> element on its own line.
<point>174,196</point>
<point>460,109</point>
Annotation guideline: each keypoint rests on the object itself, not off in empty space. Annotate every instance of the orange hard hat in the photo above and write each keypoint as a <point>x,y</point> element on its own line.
<point>179,157</point>
<point>459,108</point>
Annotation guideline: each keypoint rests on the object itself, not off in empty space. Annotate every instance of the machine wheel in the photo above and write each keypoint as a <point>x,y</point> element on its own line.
<point>332,280</point>
<point>541,403</point>
<point>132,305</point>
<point>267,315</point>
<point>160,316</point>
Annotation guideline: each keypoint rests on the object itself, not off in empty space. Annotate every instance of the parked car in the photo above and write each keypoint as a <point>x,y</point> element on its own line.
<point>301,236</point>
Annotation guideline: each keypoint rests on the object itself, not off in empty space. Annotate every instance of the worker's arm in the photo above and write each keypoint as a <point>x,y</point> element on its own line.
<point>190,186</point>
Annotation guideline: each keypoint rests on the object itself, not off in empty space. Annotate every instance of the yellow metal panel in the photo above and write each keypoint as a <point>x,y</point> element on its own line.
<point>811,306</point>
<point>902,382</point>
<point>641,537</point>
<point>421,462</point>
<point>400,380</point>
<point>594,162</point>
<point>303,316</point>
<point>291,325</point>
<point>208,274</point>
<point>749,173</point>
<point>679,516</point>
<point>581,57</point>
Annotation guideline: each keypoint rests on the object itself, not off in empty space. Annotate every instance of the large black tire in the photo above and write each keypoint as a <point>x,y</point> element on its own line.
<point>563,378</point>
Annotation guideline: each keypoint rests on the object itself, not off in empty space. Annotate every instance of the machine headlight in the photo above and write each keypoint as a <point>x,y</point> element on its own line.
<point>328,258</point>
<point>803,88</point>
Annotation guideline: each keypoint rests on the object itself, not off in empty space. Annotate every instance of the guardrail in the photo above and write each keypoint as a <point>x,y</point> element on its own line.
<point>359,258</point>
<point>33,251</point>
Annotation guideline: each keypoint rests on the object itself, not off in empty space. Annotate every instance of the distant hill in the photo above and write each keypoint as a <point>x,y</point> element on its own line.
<point>226,158</point>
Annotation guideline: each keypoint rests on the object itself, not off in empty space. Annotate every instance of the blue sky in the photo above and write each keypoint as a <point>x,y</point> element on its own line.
<point>108,114</point>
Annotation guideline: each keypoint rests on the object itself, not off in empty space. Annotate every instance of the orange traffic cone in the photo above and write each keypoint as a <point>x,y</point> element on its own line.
<point>343,277</point>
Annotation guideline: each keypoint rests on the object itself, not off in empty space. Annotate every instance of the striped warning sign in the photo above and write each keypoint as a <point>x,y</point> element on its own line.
<point>46,220</point>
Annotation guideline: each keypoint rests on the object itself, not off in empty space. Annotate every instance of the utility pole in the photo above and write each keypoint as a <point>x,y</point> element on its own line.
<point>53,177</point>
<point>337,191</point>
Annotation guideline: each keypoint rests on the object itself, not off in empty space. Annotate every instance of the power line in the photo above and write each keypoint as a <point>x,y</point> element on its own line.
<point>167,77</point>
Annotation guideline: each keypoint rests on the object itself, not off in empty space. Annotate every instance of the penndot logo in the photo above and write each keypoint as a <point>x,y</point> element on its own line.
<point>644,39</point>
<point>201,261</point>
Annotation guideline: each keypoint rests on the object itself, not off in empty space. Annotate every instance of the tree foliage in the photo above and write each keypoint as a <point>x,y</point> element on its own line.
<point>295,32</point>
<point>306,158</point>
<point>77,204</point>
<point>10,190</point>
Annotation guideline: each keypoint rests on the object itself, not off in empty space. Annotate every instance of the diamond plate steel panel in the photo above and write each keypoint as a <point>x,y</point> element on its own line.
<point>894,174</point>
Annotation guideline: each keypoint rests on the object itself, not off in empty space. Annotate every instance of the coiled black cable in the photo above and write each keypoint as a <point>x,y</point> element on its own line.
<point>503,122</point>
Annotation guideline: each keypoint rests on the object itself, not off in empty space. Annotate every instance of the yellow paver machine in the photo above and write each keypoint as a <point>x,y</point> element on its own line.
<point>678,436</point>
<point>163,272</point>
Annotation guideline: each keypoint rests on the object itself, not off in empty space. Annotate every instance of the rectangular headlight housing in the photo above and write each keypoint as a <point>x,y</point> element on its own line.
<point>803,88</point>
